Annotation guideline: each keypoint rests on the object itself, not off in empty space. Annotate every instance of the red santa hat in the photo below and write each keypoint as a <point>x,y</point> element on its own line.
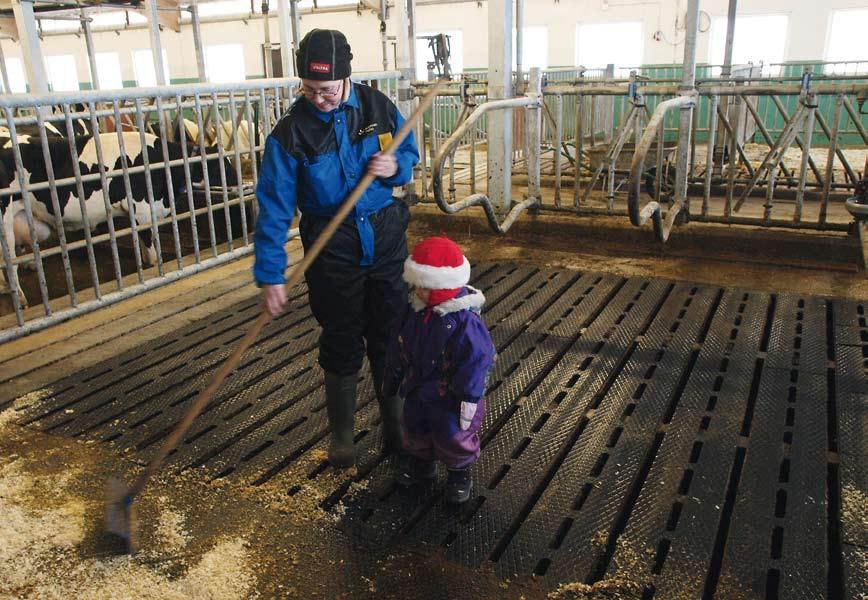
<point>437,263</point>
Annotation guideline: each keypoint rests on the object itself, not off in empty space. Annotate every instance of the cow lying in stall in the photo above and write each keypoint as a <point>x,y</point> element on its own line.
<point>15,227</point>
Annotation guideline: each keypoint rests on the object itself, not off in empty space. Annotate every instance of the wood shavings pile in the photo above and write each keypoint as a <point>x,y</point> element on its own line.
<point>44,521</point>
<point>615,589</point>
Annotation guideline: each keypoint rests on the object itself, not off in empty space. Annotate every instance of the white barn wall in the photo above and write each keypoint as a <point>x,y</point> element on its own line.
<point>808,21</point>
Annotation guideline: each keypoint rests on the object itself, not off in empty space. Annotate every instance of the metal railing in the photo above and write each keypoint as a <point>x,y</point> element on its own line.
<point>160,187</point>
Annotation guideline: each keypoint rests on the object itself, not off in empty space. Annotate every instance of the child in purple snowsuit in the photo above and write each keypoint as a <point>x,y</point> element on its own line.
<point>438,362</point>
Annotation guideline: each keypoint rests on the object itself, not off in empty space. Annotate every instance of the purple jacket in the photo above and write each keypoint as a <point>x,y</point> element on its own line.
<point>442,352</point>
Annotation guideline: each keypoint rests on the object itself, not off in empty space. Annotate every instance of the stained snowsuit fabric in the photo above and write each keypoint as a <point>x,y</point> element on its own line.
<point>313,160</point>
<point>439,358</point>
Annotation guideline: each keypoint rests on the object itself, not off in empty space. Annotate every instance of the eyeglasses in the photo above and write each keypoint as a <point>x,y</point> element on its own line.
<point>326,94</point>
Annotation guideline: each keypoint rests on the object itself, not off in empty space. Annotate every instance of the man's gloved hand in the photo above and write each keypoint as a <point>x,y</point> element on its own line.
<point>468,411</point>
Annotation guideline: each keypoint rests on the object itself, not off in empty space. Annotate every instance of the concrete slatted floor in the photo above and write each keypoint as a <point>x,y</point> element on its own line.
<point>693,439</point>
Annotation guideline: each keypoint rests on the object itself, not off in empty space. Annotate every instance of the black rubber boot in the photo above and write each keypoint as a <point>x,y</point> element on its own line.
<point>390,411</point>
<point>458,486</point>
<point>413,470</point>
<point>341,407</point>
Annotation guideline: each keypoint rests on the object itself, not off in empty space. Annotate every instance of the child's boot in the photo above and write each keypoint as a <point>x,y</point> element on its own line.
<point>413,470</point>
<point>458,486</point>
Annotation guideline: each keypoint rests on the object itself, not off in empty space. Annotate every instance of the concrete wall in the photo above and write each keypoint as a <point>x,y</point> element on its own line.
<point>807,25</point>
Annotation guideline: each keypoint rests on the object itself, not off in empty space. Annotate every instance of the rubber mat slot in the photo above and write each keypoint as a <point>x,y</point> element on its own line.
<point>144,420</point>
<point>541,420</point>
<point>291,426</point>
<point>784,471</point>
<point>640,389</point>
<point>153,437</point>
<point>257,451</point>
<point>472,508</point>
<point>498,477</point>
<point>200,434</point>
<point>777,542</point>
<point>660,556</point>
<point>585,364</point>
<point>712,403</point>
<point>791,417</point>
<point>582,496</point>
<point>561,533</point>
<point>773,584</point>
<point>237,412</point>
<point>542,567</point>
<point>447,541</point>
<point>695,452</point>
<point>184,398</point>
<point>781,504</point>
<point>598,466</point>
<point>650,372</point>
<point>95,375</point>
<point>723,524</point>
<point>686,480</point>
<point>614,437</point>
<point>628,410</point>
<point>674,516</point>
<point>316,471</point>
<point>520,448</point>
<point>751,399</point>
<point>53,411</point>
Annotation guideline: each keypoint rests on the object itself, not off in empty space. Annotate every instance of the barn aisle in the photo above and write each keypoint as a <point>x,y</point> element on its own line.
<point>668,438</point>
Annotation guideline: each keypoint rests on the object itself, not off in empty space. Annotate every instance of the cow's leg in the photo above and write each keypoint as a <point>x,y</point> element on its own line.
<point>9,233</point>
<point>149,252</point>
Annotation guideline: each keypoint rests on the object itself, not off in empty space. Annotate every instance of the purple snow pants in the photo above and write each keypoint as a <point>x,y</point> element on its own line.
<point>433,432</point>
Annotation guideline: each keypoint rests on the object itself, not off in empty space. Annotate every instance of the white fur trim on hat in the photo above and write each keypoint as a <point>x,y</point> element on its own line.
<point>436,278</point>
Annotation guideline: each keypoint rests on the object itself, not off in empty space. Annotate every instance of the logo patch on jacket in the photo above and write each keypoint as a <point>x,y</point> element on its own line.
<point>320,67</point>
<point>385,139</point>
<point>366,130</point>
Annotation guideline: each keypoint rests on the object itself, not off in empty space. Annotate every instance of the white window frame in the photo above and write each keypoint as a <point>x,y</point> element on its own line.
<point>718,33</point>
<point>108,70</point>
<point>62,70</point>
<point>832,37</point>
<point>527,48</point>
<point>220,75</point>
<point>17,77</point>
<point>620,69</point>
<point>148,72</point>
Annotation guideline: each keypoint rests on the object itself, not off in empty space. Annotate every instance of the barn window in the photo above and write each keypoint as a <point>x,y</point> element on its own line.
<point>845,42</point>
<point>15,71</point>
<point>535,48</point>
<point>62,73</point>
<point>600,44</point>
<point>143,63</point>
<point>226,7</point>
<point>758,39</point>
<point>224,63</point>
<point>108,68</point>
<point>424,54</point>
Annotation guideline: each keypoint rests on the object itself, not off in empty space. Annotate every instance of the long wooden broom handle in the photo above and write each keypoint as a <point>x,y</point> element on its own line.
<point>295,276</point>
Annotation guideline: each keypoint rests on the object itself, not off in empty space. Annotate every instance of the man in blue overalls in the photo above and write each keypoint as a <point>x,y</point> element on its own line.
<point>314,157</point>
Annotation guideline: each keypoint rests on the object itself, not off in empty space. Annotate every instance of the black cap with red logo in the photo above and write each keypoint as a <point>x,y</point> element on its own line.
<point>324,55</point>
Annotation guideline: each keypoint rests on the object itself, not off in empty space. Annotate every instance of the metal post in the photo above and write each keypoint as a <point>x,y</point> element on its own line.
<point>266,44</point>
<point>383,35</point>
<point>725,73</point>
<point>533,135</point>
<point>411,31</point>
<point>500,122</point>
<point>688,81</point>
<point>6,87</point>
<point>197,40</point>
<point>156,46</point>
<point>519,45</point>
<point>91,52</point>
<point>28,37</point>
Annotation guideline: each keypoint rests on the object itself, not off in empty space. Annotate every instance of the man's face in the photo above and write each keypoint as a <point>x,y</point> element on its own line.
<point>325,95</point>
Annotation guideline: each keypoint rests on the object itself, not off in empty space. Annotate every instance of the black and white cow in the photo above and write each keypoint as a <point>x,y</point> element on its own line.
<point>15,226</point>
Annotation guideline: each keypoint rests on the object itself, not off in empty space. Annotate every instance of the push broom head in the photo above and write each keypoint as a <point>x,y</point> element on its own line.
<point>120,514</point>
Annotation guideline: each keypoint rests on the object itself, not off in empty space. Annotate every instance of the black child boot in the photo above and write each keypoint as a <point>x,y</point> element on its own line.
<point>341,407</point>
<point>458,485</point>
<point>413,470</point>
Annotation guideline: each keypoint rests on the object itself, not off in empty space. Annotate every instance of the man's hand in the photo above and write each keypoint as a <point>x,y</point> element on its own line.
<point>383,165</point>
<point>273,298</point>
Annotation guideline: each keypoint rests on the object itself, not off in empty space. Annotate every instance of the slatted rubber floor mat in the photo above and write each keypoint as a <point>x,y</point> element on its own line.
<point>697,441</point>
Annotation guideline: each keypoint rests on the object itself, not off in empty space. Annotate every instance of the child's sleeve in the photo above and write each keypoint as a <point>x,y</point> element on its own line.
<point>473,354</point>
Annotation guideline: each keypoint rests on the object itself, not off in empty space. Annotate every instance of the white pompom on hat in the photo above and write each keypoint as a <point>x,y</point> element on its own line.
<point>437,263</point>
